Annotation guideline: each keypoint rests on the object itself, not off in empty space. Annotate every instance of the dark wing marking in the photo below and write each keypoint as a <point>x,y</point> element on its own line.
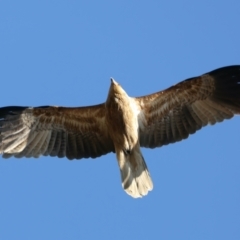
<point>56,131</point>
<point>171,115</point>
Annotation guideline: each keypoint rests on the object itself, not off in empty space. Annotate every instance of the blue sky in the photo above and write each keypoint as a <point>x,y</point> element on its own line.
<point>64,53</point>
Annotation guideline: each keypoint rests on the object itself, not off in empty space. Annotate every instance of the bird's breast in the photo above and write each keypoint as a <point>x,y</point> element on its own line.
<point>122,124</point>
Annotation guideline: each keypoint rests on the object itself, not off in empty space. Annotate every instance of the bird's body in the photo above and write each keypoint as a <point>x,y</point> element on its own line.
<point>122,124</point>
<point>122,121</point>
<point>121,118</point>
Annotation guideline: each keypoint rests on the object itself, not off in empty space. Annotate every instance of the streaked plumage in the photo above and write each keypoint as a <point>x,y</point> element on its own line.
<point>122,124</point>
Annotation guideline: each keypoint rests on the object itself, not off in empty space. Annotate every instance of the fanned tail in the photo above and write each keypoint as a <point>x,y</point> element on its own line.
<point>136,180</point>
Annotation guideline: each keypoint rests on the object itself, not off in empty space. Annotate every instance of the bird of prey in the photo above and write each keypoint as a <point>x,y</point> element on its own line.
<point>122,124</point>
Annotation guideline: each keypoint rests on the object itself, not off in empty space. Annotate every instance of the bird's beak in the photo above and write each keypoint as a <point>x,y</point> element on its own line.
<point>113,81</point>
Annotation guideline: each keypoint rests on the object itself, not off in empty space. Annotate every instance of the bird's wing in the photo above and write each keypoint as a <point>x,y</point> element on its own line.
<point>171,115</point>
<point>56,131</point>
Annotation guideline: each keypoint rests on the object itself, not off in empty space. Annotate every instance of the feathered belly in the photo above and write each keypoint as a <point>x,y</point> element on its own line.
<point>123,128</point>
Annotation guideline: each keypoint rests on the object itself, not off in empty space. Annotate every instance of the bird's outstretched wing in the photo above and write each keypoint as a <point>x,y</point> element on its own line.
<point>56,131</point>
<point>171,115</point>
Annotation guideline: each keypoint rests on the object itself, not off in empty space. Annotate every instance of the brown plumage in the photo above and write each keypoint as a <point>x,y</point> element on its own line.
<point>122,124</point>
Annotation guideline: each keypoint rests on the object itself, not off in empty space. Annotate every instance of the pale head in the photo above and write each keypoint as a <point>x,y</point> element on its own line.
<point>115,90</point>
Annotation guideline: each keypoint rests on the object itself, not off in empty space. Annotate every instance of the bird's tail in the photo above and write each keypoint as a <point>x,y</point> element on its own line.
<point>136,180</point>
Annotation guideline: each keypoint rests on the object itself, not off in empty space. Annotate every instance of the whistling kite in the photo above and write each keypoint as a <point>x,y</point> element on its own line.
<point>122,124</point>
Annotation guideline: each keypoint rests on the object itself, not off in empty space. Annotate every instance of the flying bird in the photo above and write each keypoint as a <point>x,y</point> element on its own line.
<point>122,124</point>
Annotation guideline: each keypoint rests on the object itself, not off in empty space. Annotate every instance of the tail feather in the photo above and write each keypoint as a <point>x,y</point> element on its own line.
<point>136,180</point>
